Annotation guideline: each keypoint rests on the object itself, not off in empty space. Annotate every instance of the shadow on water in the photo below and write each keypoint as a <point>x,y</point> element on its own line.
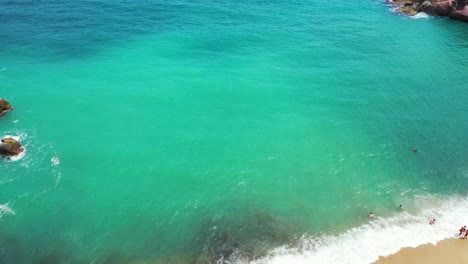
<point>115,257</point>
<point>217,240</point>
<point>62,29</point>
<point>251,237</point>
<point>13,250</point>
<point>53,258</point>
<point>10,249</point>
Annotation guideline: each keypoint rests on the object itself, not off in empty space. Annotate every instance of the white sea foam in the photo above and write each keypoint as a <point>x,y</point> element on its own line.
<point>420,15</point>
<point>55,160</point>
<point>19,156</point>
<point>380,237</point>
<point>17,138</point>
<point>5,209</point>
<point>394,9</point>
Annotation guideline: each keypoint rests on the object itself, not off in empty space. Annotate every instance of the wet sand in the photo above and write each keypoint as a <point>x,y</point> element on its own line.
<point>451,251</point>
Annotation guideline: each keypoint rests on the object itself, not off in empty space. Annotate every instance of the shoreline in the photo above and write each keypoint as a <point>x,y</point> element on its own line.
<point>453,250</point>
<point>381,236</point>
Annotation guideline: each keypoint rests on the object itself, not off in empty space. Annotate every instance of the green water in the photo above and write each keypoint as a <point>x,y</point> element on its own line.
<point>193,128</point>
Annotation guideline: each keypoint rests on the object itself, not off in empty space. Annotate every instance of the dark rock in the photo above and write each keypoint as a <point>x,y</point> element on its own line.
<point>11,250</point>
<point>460,14</point>
<point>461,4</point>
<point>416,7</point>
<point>4,106</point>
<point>10,147</point>
<point>427,7</point>
<point>442,8</point>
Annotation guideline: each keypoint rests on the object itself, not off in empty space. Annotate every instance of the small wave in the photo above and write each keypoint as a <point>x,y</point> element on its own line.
<point>380,237</point>
<point>55,160</point>
<point>5,209</point>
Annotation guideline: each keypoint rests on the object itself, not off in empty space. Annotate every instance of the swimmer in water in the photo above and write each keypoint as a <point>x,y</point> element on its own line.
<point>371,215</point>
<point>432,222</point>
<point>400,207</point>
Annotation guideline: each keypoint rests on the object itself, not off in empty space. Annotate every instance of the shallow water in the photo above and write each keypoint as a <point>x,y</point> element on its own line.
<point>192,131</point>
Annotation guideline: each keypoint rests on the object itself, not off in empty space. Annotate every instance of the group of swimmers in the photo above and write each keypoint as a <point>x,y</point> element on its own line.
<point>463,232</point>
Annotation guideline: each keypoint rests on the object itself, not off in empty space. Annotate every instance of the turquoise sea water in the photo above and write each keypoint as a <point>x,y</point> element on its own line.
<point>199,131</point>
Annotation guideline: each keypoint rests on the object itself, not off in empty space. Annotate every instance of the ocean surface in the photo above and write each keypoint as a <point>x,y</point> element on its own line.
<point>248,131</point>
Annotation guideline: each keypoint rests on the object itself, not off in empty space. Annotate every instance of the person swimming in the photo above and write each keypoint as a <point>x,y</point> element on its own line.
<point>371,215</point>
<point>400,207</point>
<point>432,222</point>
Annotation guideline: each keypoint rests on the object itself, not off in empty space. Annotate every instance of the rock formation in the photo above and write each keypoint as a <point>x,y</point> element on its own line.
<point>4,106</point>
<point>10,147</point>
<point>456,9</point>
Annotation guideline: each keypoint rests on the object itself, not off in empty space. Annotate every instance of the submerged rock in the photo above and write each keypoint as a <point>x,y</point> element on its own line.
<point>10,147</point>
<point>4,106</point>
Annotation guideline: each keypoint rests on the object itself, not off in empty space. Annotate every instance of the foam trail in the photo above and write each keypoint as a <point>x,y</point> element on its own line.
<point>380,237</point>
<point>5,209</point>
<point>57,180</point>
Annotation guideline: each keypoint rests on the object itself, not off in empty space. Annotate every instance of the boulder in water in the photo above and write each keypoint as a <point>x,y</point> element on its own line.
<point>408,10</point>
<point>10,147</point>
<point>4,106</point>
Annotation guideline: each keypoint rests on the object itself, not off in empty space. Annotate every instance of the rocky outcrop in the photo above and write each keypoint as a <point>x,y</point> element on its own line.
<point>4,106</point>
<point>457,9</point>
<point>10,147</point>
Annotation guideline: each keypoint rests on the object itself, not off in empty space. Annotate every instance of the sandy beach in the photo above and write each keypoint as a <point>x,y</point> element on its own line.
<point>452,251</point>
